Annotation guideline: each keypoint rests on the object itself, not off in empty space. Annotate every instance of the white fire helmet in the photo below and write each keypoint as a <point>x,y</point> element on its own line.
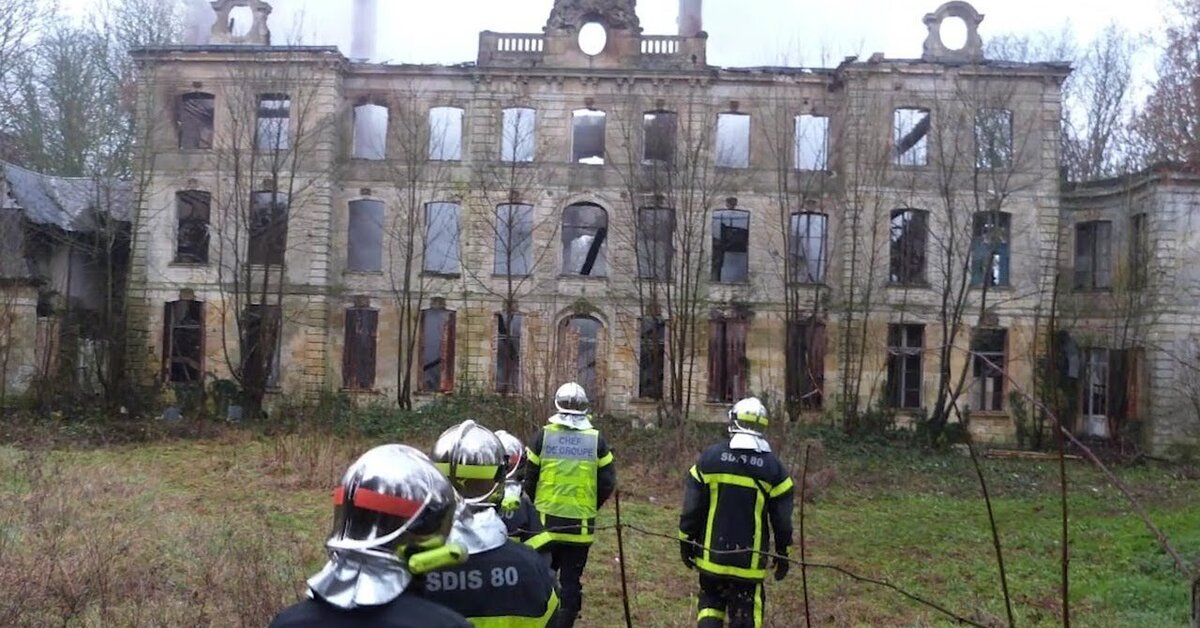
<point>571,399</point>
<point>474,460</point>
<point>748,414</point>
<point>514,449</point>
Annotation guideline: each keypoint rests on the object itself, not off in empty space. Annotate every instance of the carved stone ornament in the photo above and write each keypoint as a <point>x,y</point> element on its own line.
<point>936,49</point>
<point>258,34</point>
<point>613,14</point>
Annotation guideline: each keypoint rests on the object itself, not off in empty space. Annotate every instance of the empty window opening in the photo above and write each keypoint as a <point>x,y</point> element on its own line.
<point>584,238</point>
<point>358,353</point>
<point>807,247</point>
<point>910,134</point>
<point>274,112</point>
<point>579,352</point>
<point>437,350</point>
<point>587,137</point>
<point>445,133</point>
<point>514,240</point>
<point>805,366</point>
<point>517,135</point>
<point>733,140</point>
<point>364,249</point>
<point>954,32</point>
<point>905,346</point>
<point>993,138</point>
<point>652,354</point>
<point>1093,255</point>
<point>812,142</point>
<point>241,20</point>
<point>1139,248</point>
<point>195,116</point>
<point>268,228</point>
<point>987,357</point>
<point>370,132</point>
<point>731,246</point>
<point>183,341</point>
<point>508,353</point>
<point>990,236</point>
<point>441,238</point>
<point>262,337</point>
<point>658,130</point>
<point>1096,393</point>
<point>656,243</point>
<point>727,364</point>
<point>909,233</point>
<point>192,210</point>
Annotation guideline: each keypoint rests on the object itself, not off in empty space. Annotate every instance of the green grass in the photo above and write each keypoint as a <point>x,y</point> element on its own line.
<point>223,532</point>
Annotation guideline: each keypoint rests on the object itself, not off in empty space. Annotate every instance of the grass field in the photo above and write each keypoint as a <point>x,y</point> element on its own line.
<point>223,532</point>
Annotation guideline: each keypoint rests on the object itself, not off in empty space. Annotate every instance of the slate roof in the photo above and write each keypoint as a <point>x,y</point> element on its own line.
<point>69,203</point>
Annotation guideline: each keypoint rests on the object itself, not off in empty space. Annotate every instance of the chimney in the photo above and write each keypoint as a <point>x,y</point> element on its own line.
<point>363,27</point>
<point>690,17</point>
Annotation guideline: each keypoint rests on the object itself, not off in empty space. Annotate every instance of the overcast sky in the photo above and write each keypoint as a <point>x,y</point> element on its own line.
<point>741,32</point>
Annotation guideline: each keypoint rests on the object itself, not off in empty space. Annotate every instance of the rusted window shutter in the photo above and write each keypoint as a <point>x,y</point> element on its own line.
<point>448,339</point>
<point>348,340</point>
<point>716,360</point>
<point>735,335</point>
<point>1118,383</point>
<point>168,323</point>
<point>816,365</point>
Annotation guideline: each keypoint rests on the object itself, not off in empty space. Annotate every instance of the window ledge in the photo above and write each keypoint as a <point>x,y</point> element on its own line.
<point>364,273</point>
<point>745,282</point>
<point>909,286</point>
<point>508,275</point>
<point>361,391</point>
<point>807,284</point>
<point>436,275</point>
<point>177,264</point>
<point>367,160</point>
<point>1007,288</point>
<point>565,276</point>
<point>265,267</point>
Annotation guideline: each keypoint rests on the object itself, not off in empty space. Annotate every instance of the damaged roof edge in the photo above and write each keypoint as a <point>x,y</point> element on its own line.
<point>69,203</point>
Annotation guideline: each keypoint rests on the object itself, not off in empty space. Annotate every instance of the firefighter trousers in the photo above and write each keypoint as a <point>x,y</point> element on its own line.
<point>569,559</point>
<point>730,602</point>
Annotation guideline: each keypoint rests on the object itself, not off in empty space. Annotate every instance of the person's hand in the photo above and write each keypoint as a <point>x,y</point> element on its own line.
<point>781,567</point>
<point>510,504</point>
<point>687,554</point>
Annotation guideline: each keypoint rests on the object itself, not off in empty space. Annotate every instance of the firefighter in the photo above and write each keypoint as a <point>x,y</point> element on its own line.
<point>391,515</point>
<point>520,517</point>
<point>569,475</point>
<point>503,582</point>
<point>734,494</point>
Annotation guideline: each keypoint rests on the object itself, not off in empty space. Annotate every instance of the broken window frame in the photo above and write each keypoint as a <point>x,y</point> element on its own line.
<point>987,380</point>
<point>805,364</point>
<point>585,236</point>
<point>993,138</point>
<point>805,245</point>
<point>656,243</point>
<point>1139,251</point>
<point>371,124</point>
<point>728,366</point>
<point>273,125</point>
<point>267,229</point>
<point>251,329</point>
<point>909,235</point>
<point>195,120</point>
<point>514,240</point>
<point>810,146</point>
<point>359,348</point>
<point>659,129</point>
<point>652,356</point>
<point>732,145</point>
<point>906,346</point>
<point>579,352</point>
<point>438,338</point>
<point>440,254</point>
<point>364,235</point>
<point>193,211</point>
<point>724,270</point>
<point>446,133</point>
<point>508,353</point>
<point>991,237</point>
<point>581,135</point>
<point>910,136</point>
<point>1093,255</point>
<point>183,342</point>
<point>518,135</point>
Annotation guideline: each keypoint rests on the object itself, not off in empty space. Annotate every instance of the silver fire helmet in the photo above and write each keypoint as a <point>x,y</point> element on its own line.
<point>748,414</point>
<point>571,399</point>
<point>474,460</point>
<point>514,450</point>
<point>390,499</point>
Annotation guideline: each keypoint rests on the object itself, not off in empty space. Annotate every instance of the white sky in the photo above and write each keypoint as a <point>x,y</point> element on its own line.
<point>741,32</point>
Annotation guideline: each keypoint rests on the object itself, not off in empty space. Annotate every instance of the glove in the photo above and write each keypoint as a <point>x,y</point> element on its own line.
<point>687,554</point>
<point>512,498</point>
<point>781,566</point>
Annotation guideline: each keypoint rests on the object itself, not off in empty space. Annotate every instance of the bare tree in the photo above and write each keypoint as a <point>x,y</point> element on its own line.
<point>1169,124</point>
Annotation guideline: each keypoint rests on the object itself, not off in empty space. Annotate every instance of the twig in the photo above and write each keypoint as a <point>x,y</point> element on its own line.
<point>803,545</point>
<point>621,560</point>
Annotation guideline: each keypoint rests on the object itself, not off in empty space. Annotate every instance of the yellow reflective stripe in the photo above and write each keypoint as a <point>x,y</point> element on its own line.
<point>683,536</point>
<point>605,461</point>
<point>696,474</point>
<point>725,570</point>
<point>730,478</point>
<point>711,613</point>
<point>712,514</point>
<point>564,537</point>
<point>532,457</point>
<point>538,540</point>
<point>758,606</point>
<point>781,488</point>
<point>756,559</point>
<point>517,621</point>
<point>469,471</point>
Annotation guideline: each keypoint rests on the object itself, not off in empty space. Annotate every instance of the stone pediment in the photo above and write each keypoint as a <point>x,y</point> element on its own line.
<point>613,14</point>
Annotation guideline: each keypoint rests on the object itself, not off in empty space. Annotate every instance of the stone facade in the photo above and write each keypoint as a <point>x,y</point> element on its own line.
<point>895,135</point>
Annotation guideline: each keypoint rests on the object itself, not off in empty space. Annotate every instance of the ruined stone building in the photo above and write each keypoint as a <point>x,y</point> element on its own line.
<point>598,203</point>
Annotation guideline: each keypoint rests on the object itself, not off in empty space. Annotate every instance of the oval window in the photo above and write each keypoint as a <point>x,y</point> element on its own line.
<point>592,38</point>
<point>954,33</point>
